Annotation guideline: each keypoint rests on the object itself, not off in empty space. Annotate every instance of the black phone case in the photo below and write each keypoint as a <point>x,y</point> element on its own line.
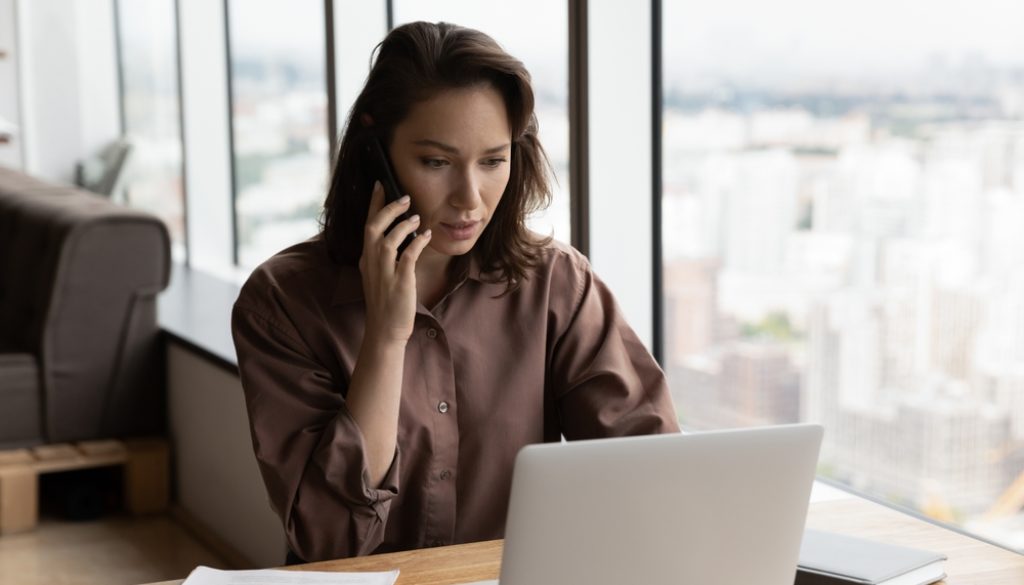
<point>391,190</point>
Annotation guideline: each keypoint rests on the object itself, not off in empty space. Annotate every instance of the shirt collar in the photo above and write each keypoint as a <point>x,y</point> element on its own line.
<point>349,285</point>
<point>468,267</point>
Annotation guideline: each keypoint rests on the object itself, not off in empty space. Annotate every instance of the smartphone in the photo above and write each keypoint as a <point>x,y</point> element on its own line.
<point>386,176</point>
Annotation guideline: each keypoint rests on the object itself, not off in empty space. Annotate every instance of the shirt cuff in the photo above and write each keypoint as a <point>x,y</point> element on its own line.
<point>344,462</point>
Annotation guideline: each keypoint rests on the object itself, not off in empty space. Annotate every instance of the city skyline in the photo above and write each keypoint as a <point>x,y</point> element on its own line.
<point>855,266</point>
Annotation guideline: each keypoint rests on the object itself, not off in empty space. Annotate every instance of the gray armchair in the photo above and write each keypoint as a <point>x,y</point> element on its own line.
<point>80,354</point>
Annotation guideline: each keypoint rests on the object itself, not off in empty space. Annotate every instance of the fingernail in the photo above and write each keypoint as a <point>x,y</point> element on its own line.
<point>376,185</point>
<point>415,218</point>
<point>403,199</point>
<point>425,233</point>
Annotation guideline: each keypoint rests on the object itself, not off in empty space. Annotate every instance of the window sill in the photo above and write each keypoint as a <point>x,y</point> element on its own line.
<point>195,311</point>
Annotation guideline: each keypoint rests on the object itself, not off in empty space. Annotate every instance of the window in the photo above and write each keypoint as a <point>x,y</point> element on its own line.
<point>279,120</point>
<point>843,217</point>
<point>537,33</point>
<point>149,72</point>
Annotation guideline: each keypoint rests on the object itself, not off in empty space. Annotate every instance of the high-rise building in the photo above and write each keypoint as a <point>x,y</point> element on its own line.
<point>856,317</point>
<point>759,384</point>
<point>955,450</point>
<point>950,457</point>
<point>761,211</point>
<point>955,320</point>
<point>820,398</point>
<point>691,307</point>
<point>695,387</point>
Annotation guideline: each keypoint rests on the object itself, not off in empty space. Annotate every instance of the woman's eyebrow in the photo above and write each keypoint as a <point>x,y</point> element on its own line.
<point>453,150</point>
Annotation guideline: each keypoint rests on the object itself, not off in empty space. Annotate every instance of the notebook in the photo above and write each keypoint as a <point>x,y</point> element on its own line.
<point>834,559</point>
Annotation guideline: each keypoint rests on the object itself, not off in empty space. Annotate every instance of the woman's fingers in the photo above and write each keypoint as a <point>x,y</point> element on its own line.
<point>377,223</point>
<point>390,290</point>
<point>407,262</point>
<point>396,236</point>
<point>376,199</point>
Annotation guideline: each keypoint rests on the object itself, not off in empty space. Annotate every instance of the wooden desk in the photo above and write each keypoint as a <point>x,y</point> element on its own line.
<point>971,562</point>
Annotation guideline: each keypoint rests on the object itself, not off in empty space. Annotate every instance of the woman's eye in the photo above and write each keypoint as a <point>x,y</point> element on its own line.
<point>494,162</point>
<point>435,163</point>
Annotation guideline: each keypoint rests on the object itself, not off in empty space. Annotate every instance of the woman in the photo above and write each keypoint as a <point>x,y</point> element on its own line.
<point>388,399</point>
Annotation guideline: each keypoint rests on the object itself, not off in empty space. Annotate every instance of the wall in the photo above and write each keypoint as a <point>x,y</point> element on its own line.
<point>10,111</point>
<point>621,247</point>
<point>217,480</point>
<point>67,60</point>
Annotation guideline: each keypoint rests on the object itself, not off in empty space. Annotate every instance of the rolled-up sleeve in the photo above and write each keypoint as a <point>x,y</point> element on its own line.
<point>605,381</point>
<point>309,449</point>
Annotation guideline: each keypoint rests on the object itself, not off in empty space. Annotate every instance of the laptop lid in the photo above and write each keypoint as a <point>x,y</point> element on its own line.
<point>717,507</point>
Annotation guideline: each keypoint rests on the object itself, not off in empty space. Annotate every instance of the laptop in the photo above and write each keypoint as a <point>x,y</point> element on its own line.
<point>724,507</point>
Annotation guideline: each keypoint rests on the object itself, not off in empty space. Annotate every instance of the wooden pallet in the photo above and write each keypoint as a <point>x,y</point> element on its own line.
<point>146,475</point>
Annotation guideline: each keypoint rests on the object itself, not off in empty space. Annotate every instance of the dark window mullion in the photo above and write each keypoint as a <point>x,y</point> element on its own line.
<point>579,149</point>
<point>231,132</point>
<point>331,82</point>
<point>657,285</point>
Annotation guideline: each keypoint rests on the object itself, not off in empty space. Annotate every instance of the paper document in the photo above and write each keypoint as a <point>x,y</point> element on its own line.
<point>208,576</point>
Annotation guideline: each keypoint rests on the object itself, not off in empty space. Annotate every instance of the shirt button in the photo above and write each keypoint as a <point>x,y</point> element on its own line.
<point>442,407</point>
<point>431,333</point>
<point>445,475</point>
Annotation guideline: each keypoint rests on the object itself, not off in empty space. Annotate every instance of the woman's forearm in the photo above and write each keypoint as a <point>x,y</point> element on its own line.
<point>374,398</point>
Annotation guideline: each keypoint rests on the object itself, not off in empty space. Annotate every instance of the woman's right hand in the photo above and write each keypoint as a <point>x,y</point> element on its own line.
<point>389,286</point>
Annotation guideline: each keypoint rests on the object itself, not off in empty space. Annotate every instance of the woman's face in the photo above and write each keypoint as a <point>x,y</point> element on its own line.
<point>452,154</point>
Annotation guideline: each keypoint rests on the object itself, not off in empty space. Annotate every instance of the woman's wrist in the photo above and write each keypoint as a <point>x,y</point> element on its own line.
<point>377,346</point>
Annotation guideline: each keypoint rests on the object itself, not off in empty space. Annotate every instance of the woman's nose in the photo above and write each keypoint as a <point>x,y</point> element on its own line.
<point>466,194</point>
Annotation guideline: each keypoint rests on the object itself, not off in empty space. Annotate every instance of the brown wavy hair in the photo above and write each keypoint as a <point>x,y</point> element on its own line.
<point>414,63</point>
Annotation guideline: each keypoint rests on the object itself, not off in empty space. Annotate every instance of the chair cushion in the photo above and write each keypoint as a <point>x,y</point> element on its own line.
<point>20,414</point>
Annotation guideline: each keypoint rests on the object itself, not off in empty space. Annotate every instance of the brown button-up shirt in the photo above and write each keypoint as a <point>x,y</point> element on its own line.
<point>484,375</point>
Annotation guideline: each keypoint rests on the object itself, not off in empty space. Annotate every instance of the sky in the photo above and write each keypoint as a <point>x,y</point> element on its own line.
<point>734,39</point>
<point>787,38</point>
<point>534,31</point>
<point>295,27</point>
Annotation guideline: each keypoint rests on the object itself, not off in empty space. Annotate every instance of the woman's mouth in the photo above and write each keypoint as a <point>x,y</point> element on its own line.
<point>460,230</point>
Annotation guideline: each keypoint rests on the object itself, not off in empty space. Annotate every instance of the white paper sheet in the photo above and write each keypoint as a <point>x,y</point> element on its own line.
<point>207,576</point>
